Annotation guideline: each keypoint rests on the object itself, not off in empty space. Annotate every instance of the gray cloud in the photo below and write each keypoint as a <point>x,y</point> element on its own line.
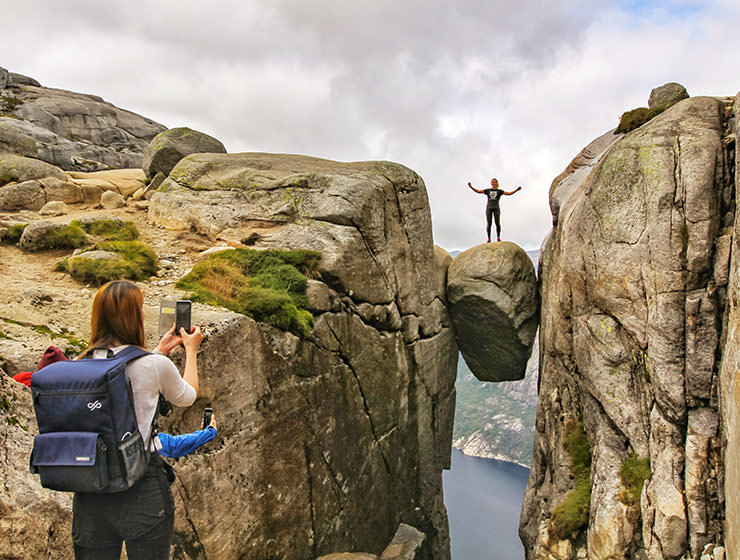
<point>457,91</point>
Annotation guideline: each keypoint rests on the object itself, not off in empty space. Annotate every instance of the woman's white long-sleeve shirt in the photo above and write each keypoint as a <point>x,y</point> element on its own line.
<point>150,375</point>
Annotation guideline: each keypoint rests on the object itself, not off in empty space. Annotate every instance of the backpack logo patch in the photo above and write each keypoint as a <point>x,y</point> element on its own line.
<point>94,405</point>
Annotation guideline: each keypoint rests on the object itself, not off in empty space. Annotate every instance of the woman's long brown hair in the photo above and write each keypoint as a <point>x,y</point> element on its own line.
<point>117,316</point>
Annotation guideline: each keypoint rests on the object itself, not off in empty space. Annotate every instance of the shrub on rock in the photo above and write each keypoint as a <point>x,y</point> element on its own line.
<point>635,118</point>
<point>45,234</point>
<point>111,260</point>
<point>268,286</point>
<point>573,513</point>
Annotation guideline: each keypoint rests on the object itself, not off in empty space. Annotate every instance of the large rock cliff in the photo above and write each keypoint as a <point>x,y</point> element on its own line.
<point>333,440</point>
<point>634,318</point>
<point>329,442</point>
<point>74,131</point>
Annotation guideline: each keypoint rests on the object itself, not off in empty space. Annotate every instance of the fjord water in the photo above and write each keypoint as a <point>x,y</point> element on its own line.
<point>484,498</point>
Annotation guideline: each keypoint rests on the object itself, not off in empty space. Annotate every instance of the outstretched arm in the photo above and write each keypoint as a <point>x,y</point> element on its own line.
<point>179,446</point>
<point>476,190</point>
<point>514,191</point>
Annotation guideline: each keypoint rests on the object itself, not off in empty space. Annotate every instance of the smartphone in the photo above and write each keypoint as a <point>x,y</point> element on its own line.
<point>182,315</point>
<point>166,316</point>
<point>207,413</point>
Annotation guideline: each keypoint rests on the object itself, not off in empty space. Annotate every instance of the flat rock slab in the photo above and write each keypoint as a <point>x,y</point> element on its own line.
<point>493,297</point>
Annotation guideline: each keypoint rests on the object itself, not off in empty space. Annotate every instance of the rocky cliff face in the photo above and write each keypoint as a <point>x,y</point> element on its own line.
<point>634,283</point>
<point>336,439</point>
<point>74,131</point>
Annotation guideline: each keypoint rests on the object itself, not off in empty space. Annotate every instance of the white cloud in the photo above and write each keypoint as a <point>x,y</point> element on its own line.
<point>457,91</point>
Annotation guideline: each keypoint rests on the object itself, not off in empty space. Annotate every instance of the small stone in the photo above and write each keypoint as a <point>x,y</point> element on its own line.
<point>28,215</point>
<point>98,255</point>
<point>86,220</point>
<point>666,95</point>
<point>54,208</point>
<point>139,194</point>
<point>111,200</point>
<point>208,252</point>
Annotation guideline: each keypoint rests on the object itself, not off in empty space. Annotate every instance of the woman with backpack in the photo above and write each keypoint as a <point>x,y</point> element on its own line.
<point>143,515</point>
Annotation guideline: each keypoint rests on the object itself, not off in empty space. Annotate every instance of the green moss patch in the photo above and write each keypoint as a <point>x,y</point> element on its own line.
<point>636,118</point>
<point>112,230</point>
<point>268,286</point>
<point>68,237</point>
<point>137,262</point>
<point>74,344</point>
<point>6,178</point>
<point>634,473</point>
<point>572,514</point>
<point>12,235</point>
<point>11,102</point>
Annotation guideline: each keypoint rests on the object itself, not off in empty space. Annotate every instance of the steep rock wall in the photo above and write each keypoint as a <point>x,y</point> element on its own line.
<point>730,389</point>
<point>344,435</point>
<point>633,283</point>
<point>327,443</point>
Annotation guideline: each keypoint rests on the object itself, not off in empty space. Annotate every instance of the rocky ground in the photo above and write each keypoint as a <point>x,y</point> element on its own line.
<point>33,294</point>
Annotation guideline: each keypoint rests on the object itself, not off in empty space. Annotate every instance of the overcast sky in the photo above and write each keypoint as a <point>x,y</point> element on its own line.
<point>456,90</point>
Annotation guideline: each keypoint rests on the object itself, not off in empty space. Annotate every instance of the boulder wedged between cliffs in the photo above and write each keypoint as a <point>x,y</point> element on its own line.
<point>494,302</point>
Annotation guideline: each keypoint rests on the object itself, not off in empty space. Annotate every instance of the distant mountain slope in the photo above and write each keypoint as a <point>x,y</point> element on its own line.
<point>496,420</point>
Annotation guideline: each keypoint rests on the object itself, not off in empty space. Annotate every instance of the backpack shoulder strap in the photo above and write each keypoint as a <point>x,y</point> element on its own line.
<point>130,353</point>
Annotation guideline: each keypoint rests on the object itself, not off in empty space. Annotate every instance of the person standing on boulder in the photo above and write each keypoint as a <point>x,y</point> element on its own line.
<point>492,208</point>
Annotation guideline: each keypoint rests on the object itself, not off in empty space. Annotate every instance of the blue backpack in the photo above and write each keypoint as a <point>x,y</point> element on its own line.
<point>89,439</point>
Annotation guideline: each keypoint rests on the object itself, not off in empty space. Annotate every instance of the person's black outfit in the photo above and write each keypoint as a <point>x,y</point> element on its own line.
<point>493,209</point>
<point>143,516</point>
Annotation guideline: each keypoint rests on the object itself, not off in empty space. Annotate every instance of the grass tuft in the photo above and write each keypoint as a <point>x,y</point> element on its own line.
<point>268,286</point>
<point>6,178</point>
<point>12,235</point>
<point>634,473</point>
<point>68,237</point>
<point>636,118</point>
<point>112,230</point>
<point>572,514</point>
<point>137,262</point>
